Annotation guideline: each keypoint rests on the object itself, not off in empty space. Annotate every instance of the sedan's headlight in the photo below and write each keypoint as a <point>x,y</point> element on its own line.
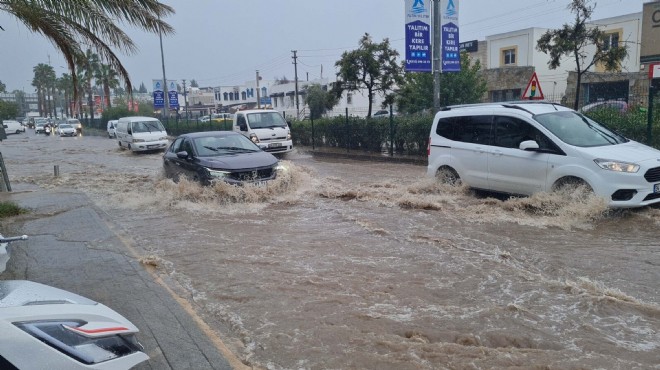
<point>617,166</point>
<point>280,168</point>
<point>69,338</point>
<point>216,174</point>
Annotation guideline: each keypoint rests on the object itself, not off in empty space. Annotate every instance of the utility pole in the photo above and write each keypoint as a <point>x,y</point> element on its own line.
<point>295,66</point>
<point>185,97</point>
<point>436,54</point>
<point>258,95</point>
<point>166,93</point>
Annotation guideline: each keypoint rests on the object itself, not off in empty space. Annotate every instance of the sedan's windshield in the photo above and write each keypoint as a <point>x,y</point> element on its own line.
<point>65,125</point>
<point>223,145</point>
<point>576,129</point>
<point>266,120</point>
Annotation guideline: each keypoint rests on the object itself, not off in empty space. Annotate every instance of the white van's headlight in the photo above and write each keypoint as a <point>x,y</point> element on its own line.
<point>138,140</point>
<point>254,138</point>
<point>617,166</point>
<point>162,138</point>
<point>217,174</point>
<point>288,135</point>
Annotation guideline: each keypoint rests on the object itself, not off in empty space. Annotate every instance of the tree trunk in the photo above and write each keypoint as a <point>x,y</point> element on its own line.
<point>106,90</point>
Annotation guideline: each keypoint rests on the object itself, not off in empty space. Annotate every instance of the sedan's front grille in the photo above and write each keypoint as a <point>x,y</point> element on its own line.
<point>253,175</point>
<point>653,175</point>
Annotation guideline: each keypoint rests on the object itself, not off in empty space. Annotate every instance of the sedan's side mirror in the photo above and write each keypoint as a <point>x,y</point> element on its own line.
<point>182,154</point>
<point>529,145</point>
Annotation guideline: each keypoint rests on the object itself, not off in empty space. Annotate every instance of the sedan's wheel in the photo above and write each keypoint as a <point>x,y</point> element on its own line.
<point>447,175</point>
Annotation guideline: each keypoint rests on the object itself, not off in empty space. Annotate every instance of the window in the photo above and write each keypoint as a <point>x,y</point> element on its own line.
<point>505,95</point>
<point>510,132</point>
<point>610,40</point>
<point>468,129</point>
<point>225,96</point>
<point>244,95</point>
<point>508,56</point>
<point>175,148</point>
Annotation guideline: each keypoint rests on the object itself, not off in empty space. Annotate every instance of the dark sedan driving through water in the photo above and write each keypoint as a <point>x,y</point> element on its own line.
<point>219,156</point>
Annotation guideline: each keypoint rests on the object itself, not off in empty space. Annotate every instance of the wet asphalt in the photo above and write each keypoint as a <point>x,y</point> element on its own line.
<point>74,246</point>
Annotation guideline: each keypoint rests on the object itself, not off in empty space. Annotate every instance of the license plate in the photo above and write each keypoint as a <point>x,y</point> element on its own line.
<point>260,184</point>
<point>274,145</point>
<point>656,188</point>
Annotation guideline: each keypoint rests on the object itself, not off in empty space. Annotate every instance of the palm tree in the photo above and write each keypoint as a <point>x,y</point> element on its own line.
<point>65,86</point>
<point>107,78</point>
<point>43,76</point>
<point>94,23</point>
<point>89,65</point>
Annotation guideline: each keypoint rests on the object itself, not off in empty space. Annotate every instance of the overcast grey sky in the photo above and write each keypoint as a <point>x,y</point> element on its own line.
<point>223,42</point>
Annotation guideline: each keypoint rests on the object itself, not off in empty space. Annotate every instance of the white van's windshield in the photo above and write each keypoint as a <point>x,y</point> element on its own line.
<point>266,120</point>
<point>147,126</point>
<point>578,130</point>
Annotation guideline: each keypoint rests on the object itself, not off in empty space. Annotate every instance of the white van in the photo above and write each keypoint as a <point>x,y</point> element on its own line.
<point>525,148</point>
<point>141,134</point>
<point>112,125</point>
<point>266,128</point>
<point>13,127</point>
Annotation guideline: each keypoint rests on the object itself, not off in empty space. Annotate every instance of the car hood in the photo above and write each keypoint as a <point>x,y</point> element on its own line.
<point>271,132</point>
<point>631,151</point>
<point>15,293</point>
<point>239,161</point>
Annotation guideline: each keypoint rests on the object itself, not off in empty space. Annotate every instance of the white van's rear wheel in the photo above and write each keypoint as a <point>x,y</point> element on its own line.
<point>447,175</point>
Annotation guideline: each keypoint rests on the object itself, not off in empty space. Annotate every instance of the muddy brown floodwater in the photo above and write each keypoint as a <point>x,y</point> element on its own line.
<point>346,264</point>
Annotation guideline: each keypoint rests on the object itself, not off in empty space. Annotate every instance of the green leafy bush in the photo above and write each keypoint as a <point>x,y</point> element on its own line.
<point>8,209</point>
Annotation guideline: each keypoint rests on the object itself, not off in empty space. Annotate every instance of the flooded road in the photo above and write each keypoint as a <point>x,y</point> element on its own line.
<point>346,264</point>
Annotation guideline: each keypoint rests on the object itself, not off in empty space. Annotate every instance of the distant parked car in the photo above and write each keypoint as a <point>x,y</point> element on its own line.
<point>66,129</point>
<point>212,156</point>
<point>382,114</point>
<point>617,105</point>
<point>204,119</point>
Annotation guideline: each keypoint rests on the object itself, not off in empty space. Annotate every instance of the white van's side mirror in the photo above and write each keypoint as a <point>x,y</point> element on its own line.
<point>530,145</point>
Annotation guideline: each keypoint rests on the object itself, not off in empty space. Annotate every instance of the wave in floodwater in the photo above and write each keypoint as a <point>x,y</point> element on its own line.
<point>570,208</point>
<point>566,209</point>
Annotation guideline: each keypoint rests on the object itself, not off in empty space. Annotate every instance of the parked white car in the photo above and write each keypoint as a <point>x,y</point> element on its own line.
<point>525,148</point>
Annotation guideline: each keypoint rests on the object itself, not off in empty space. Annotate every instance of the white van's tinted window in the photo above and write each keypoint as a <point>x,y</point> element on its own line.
<point>468,129</point>
<point>266,120</point>
<point>147,126</point>
<point>509,132</point>
<point>575,129</point>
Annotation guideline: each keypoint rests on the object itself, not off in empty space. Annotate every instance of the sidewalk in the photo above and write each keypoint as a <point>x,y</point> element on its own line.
<point>73,246</point>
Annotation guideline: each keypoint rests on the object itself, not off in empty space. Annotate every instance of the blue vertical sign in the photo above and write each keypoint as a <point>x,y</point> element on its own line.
<point>418,36</point>
<point>451,55</point>
<point>172,94</point>
<point>159,94</point>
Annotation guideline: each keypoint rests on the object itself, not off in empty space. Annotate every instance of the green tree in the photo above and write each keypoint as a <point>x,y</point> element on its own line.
<point>464,87</point>
<point>3,87</point>
<point>372,66</point>
<point>65,86</point>
<point>8,110</point>
<point>97,24</point>
<point>89,65</point>
<point>575,41</point>
<point>319,100</point>
<point>106,77</point>
<point>43,81</point>
<point>193,83</point>
<point>142,89</point>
